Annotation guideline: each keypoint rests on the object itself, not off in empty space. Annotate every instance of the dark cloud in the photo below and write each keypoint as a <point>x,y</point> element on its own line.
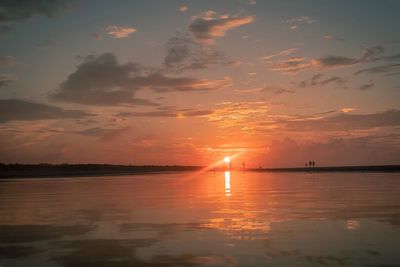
<point>101,80</point>
<point>6,80</point>
<point>319,80</point>
<point>14,10</point>
<point>380,69</point>
<point>184,53</point>
<point>209,25</point>
<point>366,86</point>
<point>345,121</point>
<point>369,54</point>
<point>15,109</point>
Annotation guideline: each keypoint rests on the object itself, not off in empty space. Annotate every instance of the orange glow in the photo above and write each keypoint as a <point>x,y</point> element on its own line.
<point>227,159</point>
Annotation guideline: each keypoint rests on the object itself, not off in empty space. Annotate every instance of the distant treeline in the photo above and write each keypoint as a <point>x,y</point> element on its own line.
<point>63,170</point>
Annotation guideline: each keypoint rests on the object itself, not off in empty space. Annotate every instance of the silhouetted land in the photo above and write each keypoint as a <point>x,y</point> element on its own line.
<point>378,168</point>
<point>67,170</point>
<point>75,170</point>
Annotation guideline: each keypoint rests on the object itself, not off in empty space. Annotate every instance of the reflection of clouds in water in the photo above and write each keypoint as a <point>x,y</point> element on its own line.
<point>352,224</point>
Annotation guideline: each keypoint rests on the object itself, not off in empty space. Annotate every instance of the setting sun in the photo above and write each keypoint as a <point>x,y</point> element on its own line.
<point>227,159</point>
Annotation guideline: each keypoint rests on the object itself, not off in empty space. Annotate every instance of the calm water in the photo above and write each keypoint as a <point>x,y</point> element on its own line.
<point>208,219</point>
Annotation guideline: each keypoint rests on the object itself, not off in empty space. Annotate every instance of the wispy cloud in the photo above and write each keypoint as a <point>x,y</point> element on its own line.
<point>209,25</point>
<point>238,114</point>
<point>295,64</point>
<point>120,32</point>
<point>285,52</point>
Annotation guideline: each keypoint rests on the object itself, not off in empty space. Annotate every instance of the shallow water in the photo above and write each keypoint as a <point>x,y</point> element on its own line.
<point>202,219</point>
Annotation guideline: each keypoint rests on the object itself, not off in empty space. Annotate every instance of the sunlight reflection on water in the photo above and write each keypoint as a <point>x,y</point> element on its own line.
<point>222,218</point>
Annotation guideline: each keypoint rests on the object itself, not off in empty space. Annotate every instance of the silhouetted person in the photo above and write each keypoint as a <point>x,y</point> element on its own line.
<point>313,163</point>
<point>306,164</point>
<point>309,163</point>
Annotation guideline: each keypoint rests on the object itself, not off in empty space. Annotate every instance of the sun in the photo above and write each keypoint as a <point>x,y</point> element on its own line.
<point>227,159</point>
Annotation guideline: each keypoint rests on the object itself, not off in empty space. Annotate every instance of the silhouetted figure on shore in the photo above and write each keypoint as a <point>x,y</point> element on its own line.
<point>313,163</point>
<point>310,163</point>
<point>306,164</point>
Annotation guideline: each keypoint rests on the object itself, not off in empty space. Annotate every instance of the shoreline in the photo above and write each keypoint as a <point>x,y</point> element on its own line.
<point>16,171</point>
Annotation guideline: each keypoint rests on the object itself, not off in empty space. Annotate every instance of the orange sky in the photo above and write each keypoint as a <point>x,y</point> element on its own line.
<point>190,82</point>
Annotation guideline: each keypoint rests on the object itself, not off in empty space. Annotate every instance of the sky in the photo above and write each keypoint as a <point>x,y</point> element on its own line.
<point>270,83</point>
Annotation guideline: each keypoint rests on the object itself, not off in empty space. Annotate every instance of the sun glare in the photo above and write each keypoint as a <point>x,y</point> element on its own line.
<point>227,159</point>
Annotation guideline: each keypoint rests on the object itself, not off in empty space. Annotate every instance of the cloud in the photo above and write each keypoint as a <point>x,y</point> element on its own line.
<point>332,37</point>
<point>101,80</point>
<point>319,80</point>
<point>184,53</point>
<point>285,52</point>
<point>302,19</point>
<point>276,90</point>
<point>296,64</point>
<point>238,114</point>
<point>15,109</point>
<point>104,133</point>
<point>6,80</point>
<point>7,61</point>
<point>183,8</point>
<point>120,32</point>
<point>380,69</point>
<point>346,121</point>
<point>298,20</point>
<point>208,26</point>
<point>293,64</point>
<point>25,9</point>
<point>346,110</point>
<point>169,112</point>
<point>366,86</point>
